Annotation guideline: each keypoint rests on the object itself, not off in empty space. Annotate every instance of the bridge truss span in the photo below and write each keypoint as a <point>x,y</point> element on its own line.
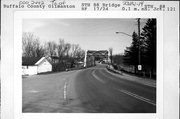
<point>91,56</point>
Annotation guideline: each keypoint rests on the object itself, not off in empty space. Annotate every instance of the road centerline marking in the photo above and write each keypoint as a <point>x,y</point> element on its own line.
<point>65,91</point>
<point>96,77</point>
<point>33,91</point>
<point>106,75</point>
<point>137,97</point>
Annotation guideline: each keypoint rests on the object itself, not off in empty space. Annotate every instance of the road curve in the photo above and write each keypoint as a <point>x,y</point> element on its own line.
<point>100,91</point>
<point>90,90</point>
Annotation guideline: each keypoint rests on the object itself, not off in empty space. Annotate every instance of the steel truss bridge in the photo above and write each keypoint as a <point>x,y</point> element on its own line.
<point>91,56</point>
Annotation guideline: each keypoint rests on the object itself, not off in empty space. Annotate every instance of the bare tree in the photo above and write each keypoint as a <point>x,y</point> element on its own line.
<point>51,48</point>
<point>67,49</point>
<point>61,49</point>
<point>38,49</point>
<point>31,46</point>
<point>77,52</point>
<point>80,53</point>
<point>27,45</point>
<point>74,48</point>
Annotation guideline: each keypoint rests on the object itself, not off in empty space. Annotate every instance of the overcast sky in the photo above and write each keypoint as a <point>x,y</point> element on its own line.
<point>90,34</point>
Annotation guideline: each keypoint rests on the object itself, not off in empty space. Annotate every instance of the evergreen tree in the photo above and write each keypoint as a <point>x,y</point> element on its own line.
<point>132,52</point>
<point>149,37</point>
<point>147,47</point>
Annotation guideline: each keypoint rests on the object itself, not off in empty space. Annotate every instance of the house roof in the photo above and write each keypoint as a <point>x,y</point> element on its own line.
<point>30,61</point>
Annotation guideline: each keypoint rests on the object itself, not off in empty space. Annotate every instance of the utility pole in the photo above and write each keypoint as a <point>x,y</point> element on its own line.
<point>139,53</point>
<point>139,44</point>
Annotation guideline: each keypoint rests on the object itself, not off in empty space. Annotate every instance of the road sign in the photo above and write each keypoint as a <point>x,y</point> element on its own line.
<point>139,67</point>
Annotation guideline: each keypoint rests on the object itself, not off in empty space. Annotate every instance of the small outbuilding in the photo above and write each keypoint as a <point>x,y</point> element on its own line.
<point>35,65</point>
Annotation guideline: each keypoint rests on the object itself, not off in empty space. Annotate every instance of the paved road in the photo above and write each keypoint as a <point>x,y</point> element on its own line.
<point>91,90</point>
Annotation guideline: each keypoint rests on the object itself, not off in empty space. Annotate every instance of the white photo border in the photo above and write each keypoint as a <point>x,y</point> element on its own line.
<point>18,19</point>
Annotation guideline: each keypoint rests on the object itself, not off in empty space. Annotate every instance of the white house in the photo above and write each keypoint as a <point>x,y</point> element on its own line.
<point>35,65</point>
